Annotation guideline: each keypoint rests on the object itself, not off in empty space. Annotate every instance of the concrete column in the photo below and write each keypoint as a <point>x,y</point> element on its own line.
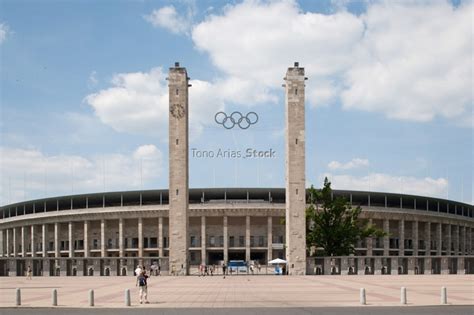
<point>178,83</point>
<point>456,239</point>
<point>121,249</point>
<point>43,240</point>
<point>70,239</point>
<point>463,239</point>
<point>86,239</point>
<point>160,237</point>
<point>247,238</point>
<point>469,240</point>
<point>15,246</point>
<point>295,220</point>
<point>269,238</point>
<point>439,237</point>
<point>226,242</point>
<point>140,237</point>
<point>56,240</point>
<point>401,237</point>
<point>415,238</point>
<point>32,240</point>
<point>370,243</point>
<point>102,238</point>
<point>386,239</point>
<point>448,239</point>
<point>7,243</point>
<point>203,239</point>
<point>22,235</point>
<point>2,248</point>
<point>428,239</point>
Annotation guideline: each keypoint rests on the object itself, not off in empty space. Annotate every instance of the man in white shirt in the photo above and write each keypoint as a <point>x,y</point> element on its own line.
<point>138,271</point>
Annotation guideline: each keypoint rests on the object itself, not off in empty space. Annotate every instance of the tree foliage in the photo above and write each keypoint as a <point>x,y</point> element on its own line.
<point>333,224</point>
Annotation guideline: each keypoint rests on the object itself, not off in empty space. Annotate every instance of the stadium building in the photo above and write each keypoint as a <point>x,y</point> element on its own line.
<point>108,234</point>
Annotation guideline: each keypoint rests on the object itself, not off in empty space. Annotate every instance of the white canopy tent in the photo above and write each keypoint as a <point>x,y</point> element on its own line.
<point>277,261</point>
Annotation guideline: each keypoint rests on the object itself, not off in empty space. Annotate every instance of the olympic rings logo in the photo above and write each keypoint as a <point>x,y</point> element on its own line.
<point>236,118</point>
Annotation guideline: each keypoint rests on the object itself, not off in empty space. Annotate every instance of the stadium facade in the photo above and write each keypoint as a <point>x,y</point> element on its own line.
<point>180,228</point>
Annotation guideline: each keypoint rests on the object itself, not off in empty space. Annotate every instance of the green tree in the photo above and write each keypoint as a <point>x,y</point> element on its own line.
<point>333,224</point>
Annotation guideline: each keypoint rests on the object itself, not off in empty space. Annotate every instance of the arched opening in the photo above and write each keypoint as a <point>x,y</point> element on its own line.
<point>124,271</point>
<point>74,272</point>
<point>107,272</point>
<point>90,272</point>
<point>400,270</point>
<point>319,271</point>
<point>367,270</point>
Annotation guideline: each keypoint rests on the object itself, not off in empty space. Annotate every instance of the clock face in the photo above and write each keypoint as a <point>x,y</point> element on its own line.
<point>177,110</point>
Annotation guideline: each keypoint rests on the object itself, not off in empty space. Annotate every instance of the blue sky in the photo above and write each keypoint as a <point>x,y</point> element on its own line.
<point>84,98</point>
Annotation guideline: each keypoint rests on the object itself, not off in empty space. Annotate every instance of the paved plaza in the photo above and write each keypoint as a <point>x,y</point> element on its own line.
<point>240,291</point>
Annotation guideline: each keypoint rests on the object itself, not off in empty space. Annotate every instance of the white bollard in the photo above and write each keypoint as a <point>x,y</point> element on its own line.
<point>403,295</point>
<point>54,297</point>
<point>444,296</point>
<point>127,297</point>
<point>362,296</point>
<point>91,297</point>
<point>18,297</point>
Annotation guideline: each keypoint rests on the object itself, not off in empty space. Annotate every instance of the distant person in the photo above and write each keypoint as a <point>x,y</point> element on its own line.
<point>138,271</point>
<point>142,287</point>
<point>173,270</point>
<point>259,267</point>
<point>224,269</point>
<point>159,270</point>
<point>29,273</point>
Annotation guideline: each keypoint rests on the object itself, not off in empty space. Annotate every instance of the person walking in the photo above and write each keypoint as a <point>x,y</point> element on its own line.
<point>138,271</point>
<point>29,273</point>
<point>142,287</point>
<point>224,269</point>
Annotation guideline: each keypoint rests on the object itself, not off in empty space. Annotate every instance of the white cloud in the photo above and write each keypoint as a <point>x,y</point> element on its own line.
<point>167,17</point>
<point>354,163</point>
<point>414,62</point>
<point>433,187</point>
<point>138,103</point>
<point>29,173</point>
<point>4,30</point>
<point>253,42</point>
<point>408,60</point>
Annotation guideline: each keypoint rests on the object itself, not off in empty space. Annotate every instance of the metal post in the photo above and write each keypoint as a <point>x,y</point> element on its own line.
<point>54,297</point>
<point>127,297</point>
<point>403,295</point>
<point>18,297</point>
<point>444,296</point>
<point>91,297</point>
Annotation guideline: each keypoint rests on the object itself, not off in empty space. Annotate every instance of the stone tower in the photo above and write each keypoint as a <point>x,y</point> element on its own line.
<point>295,171</point>
<point>178,169</point>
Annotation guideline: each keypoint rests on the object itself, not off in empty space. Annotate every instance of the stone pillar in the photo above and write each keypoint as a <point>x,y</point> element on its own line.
<point>378,266</point>
<point>15,245</point>
<point>394,266</point>
<point>86,239</point>
<point>411,265</point>
<point>461,266</point>
<point>439,237</point>
<point>247,238</point>
<point>32,241</point>
<point>386,239</point>
<point>269,238</point>
<point>444,265</point>
<point>121,249</point>
<point>178,168</point>
<point>448,239</point>
<point>22,235</point>
<point>43,243</point>
<point>203,240</point>
<point>428,265</point>
<point>327,265</point>
<point>469,240</point>
<point>370,244</point>
<point>415,237</point>
<point>295,170</point>
<point>456,239</point>
<point>463,239</point>
<point>226,242</point>
<point>428,239</point>
<point>401,238</point>
<point>70,239</point>
<point>360,266</point>
<point>102,238</point>
<point>2,248</point>
<point>160,237</point>
<point>7,243</point>
<point>344,266</point>
<point>140,239</point>
<point>56,240</point>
